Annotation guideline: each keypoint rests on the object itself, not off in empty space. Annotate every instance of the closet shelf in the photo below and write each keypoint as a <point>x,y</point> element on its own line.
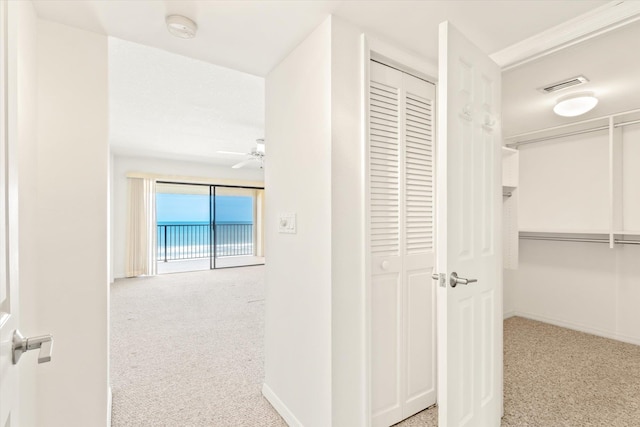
<point>567,231</point>
<point>563,231</point>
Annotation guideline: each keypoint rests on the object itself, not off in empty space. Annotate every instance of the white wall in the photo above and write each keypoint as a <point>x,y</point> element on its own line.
<point>26,67</point>
<point>564,184</point>
<point>508,292</point>
<point>298,268</point>
<point>71,173</point>
<point>349,392</point>
<point>630,178</point>
<point>172,170</point>
<point>316,298</point>
<point>583,286</point>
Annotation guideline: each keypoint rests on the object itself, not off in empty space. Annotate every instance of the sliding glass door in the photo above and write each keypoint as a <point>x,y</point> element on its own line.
<point>203,226</point>
<point>183,227</point>
<point>238,226</point>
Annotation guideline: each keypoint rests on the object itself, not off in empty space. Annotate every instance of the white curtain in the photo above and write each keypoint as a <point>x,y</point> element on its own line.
<point>141,227</point>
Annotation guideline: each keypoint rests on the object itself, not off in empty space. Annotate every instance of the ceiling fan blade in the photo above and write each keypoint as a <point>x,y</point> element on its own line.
<point>241,164</point>
<point>235,153</point>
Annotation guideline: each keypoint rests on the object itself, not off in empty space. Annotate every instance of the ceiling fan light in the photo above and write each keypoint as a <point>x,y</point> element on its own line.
<point>575,105</point>
<point>181,26</point>
<point>260,147</point>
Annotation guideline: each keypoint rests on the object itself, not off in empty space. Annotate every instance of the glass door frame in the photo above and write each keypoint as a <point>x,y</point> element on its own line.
<point>213,235</point>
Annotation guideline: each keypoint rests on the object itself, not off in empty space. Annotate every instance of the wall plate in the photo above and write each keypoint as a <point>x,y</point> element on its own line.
<point>287,223</point>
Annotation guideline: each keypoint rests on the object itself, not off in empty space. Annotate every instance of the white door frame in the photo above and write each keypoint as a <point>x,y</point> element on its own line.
<point>9,295</point>
<point>372,48</point>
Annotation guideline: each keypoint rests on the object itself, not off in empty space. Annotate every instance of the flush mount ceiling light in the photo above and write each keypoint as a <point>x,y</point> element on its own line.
<point>181,26</point>
<point>575,104</point>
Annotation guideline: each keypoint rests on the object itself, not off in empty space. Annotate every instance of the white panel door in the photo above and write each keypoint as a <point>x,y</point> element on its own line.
<point>469,235</point>
<point>400,206</point>
<point>8,240</point>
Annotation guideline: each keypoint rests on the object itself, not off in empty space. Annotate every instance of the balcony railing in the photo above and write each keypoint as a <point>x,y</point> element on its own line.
<point>191,241</point>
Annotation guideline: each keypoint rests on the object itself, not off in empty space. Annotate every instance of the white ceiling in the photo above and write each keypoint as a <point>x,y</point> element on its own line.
<point>181,106</point>
<point>609,61</point>
<point>167,105</point>
<point>253,36</point>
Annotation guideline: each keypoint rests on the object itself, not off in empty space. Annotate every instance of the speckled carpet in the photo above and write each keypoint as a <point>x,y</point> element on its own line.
<point>556,377</point>
<point>187,351</point>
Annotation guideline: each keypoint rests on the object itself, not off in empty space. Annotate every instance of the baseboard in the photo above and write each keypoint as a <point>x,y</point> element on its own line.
<point>280,407</point>
<point>579,327</point>
<point>508,314</point>
<point>109,405</point>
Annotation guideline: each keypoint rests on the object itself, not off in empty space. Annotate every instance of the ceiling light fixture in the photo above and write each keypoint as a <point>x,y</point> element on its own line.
<point>181,26</point>
<point>575,104</point>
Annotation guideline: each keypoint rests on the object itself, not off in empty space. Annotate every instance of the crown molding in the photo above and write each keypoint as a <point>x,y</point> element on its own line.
<point>603,19</point>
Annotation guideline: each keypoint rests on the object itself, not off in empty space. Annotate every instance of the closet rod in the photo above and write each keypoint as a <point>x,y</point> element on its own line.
<point>562,135</point>
<point>569,239</point>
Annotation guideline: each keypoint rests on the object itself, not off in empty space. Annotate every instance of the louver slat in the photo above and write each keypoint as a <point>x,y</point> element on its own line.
<point>384,170</point>
<point>418,158</point>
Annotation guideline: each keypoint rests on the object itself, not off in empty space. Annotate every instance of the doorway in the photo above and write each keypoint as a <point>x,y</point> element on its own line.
<point>202,226</point>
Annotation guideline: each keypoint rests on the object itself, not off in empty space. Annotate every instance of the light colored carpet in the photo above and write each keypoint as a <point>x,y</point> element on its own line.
<point>556,377</point>
<point>426,418</point>
<point>200,264</point>
<point>187,350</point>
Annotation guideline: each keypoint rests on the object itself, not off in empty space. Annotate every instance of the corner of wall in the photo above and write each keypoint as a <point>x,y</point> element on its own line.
<point>298,271</point>
<point>347,223</point>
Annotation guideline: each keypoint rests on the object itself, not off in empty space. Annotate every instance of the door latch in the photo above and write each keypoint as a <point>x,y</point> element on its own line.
<point>22,345</point>
<point>441,278</point>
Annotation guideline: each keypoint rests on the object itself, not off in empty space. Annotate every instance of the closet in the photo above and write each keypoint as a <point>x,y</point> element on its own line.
<point>401,256</point>
<point>579,227</point>
<point>575,229</point>
<point>581,180</point>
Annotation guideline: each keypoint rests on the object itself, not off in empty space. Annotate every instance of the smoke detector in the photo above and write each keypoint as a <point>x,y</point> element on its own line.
<point>564,84</point>
<point>181,26</point>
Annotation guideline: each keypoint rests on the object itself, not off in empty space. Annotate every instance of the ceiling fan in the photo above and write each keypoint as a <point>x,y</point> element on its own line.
<point>255,155</point>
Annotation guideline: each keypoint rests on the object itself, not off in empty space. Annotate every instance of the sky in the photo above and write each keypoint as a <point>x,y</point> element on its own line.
<point>195,208</point>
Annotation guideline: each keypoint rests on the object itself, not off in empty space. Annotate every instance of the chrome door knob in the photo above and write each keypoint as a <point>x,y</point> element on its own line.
<point>454,280</point>
<point>21,345</point>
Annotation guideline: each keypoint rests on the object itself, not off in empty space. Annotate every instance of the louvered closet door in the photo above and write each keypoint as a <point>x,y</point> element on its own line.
<point>401,244</point>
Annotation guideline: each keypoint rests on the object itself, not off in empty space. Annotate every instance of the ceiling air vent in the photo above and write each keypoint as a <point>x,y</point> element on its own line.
<point>574,81</point>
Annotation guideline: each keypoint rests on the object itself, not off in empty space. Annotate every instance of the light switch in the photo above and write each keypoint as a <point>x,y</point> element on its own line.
<point>287,223</point>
